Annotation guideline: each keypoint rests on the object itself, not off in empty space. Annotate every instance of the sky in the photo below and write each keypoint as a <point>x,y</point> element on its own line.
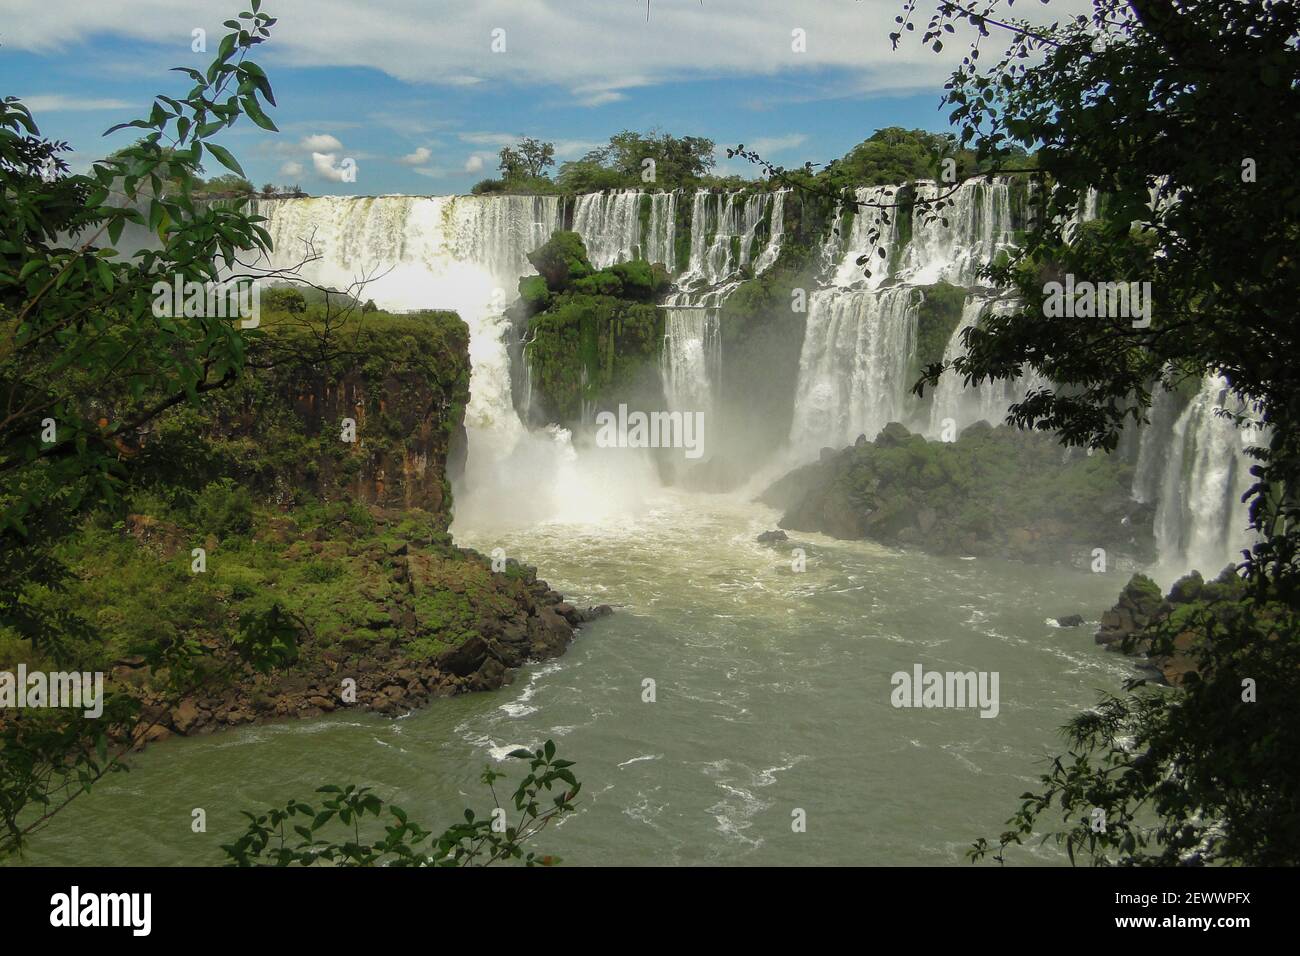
<point>420,95</point>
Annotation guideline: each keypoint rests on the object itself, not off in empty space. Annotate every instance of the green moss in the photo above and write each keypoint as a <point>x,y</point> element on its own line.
<point>902,215</point>
<point>534,293</point>
<point>684,210</point>
<point>937,318</point>
<point>591,348</point>
<point>561,260</point>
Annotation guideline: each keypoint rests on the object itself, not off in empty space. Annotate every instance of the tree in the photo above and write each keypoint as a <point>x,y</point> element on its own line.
<point>527,160</point>
<point>88,362</point>
<point>1197,104</point>
<point>676,162</point>
<point>536,156</point>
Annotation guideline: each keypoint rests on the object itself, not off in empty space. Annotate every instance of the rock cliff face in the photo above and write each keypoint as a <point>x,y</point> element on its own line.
<point>319,486</point>
<point>382,423</point>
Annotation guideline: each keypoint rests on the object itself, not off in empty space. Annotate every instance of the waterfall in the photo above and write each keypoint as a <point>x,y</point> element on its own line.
<point>853,370</point>
<point>692,358</point>
<point>988,401</point>
<point>979,227</point>
<point>871,215</point>
<point>659,244</point>
<point>465,253</point>
<point>1192,467</point>
<point>609,224</point>
<point>726,232</point>
<point>776,233</point>
<point>724,235</point>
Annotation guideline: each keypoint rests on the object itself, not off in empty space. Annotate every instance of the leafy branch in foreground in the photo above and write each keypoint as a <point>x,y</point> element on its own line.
<point>545,793</point>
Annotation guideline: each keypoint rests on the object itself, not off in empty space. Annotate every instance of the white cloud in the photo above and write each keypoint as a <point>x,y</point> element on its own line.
<point>573,148</point>
<point>292,169</point>
<point>475,163</point>
<point>770,145</point>
<point>594,49</point>
<point>417,158</point>
<point>321,143</point>
<point>430,171</point>
<point>490,139</point>
<point>601,98</point>
<point>58,103</point>
<point>327,167</point>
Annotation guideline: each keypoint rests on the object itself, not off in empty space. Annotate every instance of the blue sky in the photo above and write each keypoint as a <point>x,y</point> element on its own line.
<point>414,93</point>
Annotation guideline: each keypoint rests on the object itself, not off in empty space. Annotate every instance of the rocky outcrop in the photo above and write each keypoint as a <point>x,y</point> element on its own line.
<point>389,665</point>
<point>374,415</point>
<point>1143,613</point>
<point>331,512</point>
<point>996,492</point>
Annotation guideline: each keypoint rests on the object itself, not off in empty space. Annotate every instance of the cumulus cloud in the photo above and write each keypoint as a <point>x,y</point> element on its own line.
<point>771,145</point>
<point>321,143</point>
<point>417,158</point>
<point>475,163</point>
<point>292,169</point>
<point>329,167</point>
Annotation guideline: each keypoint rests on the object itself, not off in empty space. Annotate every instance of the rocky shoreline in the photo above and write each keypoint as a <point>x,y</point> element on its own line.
<point>1130,625</point>
<point>384,680</point>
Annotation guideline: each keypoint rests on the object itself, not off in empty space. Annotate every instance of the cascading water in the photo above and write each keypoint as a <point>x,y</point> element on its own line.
<point>692,358</point>
<point>958,405</point>
<point>871,216</point>
<point>1191,466</point>
<point>725,233</point>
<point>853,372</point>
<point>465,253</point>
<point>659,244</point>
<point>979,227</point>
<point>858,346</point>
<point>609,224</point>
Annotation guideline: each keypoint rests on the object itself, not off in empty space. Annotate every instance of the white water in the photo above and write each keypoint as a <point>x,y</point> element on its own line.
<point>692,359</point>
<point>465,253</point>
<point>979,227</point>
<point>959,404</point>
<point>468,253</point>
<point>853,373</point>
<point>609,224</point>
<point>1191,466</point>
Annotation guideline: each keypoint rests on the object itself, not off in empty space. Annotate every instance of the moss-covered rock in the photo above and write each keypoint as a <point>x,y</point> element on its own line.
<point>596,349</point>
<point>994,491</point>
<point>937,318</point>
<point>561,260</point>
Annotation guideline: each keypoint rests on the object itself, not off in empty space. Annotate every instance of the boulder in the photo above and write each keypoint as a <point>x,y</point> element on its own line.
<point>466,658</point>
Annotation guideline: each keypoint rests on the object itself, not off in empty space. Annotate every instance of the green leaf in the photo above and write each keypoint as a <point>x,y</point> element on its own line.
<point>256,115</point>
<point>225,159</point>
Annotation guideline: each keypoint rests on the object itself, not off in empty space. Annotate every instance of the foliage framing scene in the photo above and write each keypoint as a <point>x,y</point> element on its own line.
<point>606,435</point>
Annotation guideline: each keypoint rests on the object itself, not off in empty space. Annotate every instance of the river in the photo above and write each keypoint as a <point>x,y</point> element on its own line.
<point>772,694</point>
